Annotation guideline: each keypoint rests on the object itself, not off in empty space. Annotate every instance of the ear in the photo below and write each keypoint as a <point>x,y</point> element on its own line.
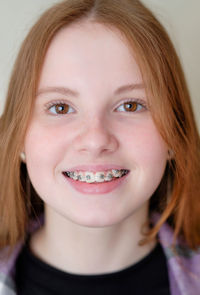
<point>23,157</point>
<point>170,154</point>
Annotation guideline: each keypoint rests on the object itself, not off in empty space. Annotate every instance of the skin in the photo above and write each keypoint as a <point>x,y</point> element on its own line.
<point>93,234</point>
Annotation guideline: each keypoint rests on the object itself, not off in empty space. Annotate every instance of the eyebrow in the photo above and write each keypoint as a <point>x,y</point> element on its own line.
<point>69,92</point>
<point>129,87</point>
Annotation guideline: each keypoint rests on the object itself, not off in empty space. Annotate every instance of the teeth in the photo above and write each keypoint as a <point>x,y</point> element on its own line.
<point>109,176</point>
<point>81,176</point>
<point>73,175</point>
<point>101,176</point>
<point>89,177</point>
<point>116,173</point>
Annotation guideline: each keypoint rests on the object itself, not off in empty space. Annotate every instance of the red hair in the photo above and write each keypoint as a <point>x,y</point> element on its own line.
<point>177,197</point>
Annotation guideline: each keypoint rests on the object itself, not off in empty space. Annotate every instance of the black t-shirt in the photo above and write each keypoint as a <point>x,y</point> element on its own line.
<point>146,277</point>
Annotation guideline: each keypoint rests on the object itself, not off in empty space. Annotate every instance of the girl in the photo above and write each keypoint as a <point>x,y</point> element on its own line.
<point>100,158</point>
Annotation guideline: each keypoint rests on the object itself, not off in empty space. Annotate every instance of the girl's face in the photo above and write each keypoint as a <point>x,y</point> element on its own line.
<point>81,117</point>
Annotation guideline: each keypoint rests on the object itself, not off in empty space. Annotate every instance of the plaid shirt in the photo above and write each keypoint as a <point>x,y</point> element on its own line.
<point>183,267</point>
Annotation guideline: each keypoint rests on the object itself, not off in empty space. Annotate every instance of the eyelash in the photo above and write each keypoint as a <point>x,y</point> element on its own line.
<point>139,102</point>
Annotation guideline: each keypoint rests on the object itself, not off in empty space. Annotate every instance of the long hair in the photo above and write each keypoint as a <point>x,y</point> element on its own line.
<point>177,197</point>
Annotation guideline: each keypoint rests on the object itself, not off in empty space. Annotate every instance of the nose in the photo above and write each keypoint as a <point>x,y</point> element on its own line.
<point>95,138</point>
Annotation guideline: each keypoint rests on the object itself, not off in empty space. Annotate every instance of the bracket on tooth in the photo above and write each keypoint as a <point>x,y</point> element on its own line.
<point>116,173</point>
<point>98,177</point>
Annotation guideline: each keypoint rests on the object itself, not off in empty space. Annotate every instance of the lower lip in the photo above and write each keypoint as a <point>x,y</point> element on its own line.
<point>96,188</point>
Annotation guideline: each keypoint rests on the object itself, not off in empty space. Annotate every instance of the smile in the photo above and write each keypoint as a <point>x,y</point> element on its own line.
<point>100,176</point>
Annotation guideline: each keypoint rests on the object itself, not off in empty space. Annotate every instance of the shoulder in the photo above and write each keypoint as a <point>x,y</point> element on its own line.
<point>8,265</point>
<point>183,262</point>
<point>7,270</point>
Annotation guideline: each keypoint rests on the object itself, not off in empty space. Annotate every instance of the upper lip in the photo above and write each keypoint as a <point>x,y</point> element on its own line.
<point>95,168</point>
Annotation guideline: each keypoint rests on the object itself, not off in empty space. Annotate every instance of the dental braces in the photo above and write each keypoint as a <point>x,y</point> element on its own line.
<point>98,177</point>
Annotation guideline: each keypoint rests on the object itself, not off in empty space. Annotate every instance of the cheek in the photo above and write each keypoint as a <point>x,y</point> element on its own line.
<point>142,139</point>
<point>150,147</point>
<point>45,145</point>
<point>146,151</point>
<point>147,154</point>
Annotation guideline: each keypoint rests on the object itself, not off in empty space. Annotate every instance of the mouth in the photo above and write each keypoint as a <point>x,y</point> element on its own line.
<point>96,177</point>
<point>97,183</point>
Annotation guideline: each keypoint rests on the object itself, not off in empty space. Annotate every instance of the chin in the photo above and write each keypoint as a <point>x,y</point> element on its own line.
<point>95,221</point>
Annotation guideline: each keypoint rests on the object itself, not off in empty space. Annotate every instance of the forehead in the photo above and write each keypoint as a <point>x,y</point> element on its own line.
<point>89,52</point>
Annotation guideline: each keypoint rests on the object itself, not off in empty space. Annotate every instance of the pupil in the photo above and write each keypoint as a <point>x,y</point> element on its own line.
<point>61,108</point>
<point>131,106</point>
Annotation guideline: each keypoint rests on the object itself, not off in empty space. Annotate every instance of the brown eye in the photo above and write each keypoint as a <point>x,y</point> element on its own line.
<point>130,106</point>
<point>61,108</point>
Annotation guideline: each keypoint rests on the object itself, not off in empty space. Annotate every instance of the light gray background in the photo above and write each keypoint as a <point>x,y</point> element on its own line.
<point>180,17</point>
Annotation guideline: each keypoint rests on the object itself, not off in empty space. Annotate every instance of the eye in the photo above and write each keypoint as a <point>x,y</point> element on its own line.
<point>59,108</point>
<point>132,106</point>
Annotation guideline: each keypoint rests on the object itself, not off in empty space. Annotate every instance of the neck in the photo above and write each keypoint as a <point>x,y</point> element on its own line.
<point>87,250</point>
